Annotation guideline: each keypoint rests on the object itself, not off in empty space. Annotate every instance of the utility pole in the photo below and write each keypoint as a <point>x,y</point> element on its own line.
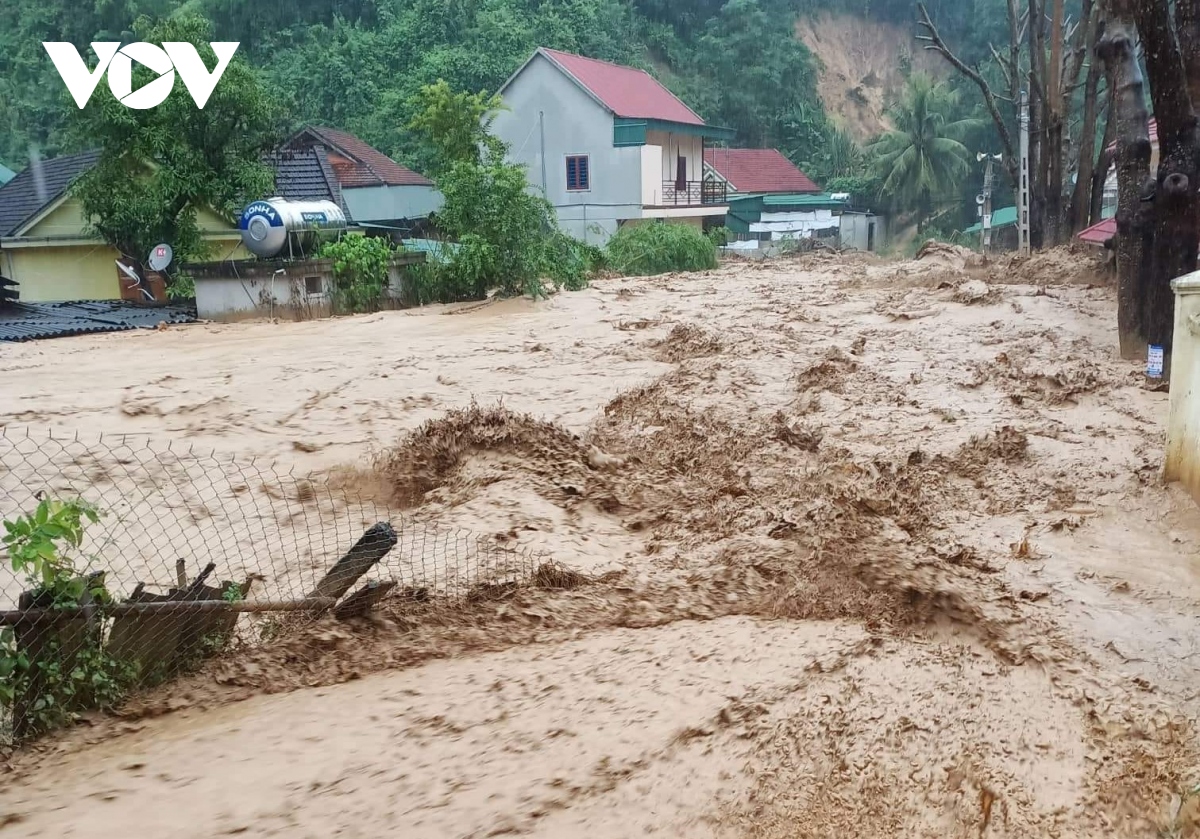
<point>1023,183</point>
<point>985,198</point>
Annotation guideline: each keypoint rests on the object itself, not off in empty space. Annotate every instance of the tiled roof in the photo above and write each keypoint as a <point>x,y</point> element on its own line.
<point>758,171</point>
<point>627,92</point>
<point>19,198</point>
<point>305,174</point>
<point>357,164</point>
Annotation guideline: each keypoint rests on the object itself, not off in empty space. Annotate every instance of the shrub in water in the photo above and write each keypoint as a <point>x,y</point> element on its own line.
<point>656,248</point>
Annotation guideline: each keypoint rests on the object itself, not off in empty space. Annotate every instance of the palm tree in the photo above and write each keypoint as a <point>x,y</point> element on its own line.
<point>922,160</point>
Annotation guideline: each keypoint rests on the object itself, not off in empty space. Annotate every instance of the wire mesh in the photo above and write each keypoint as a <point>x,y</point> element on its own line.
<point>192,554</point>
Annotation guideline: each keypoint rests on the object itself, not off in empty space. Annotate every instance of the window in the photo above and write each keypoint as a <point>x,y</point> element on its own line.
<point>578,179</point>
<point>313,286</point>
<point>681,174</point>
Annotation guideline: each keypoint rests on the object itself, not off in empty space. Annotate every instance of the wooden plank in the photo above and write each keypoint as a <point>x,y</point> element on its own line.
<point>34,616</point>
<point>368,550</point>
<point>363,600</point>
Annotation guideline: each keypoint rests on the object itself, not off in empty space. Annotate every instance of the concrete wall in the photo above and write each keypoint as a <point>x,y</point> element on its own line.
<point>225,298</point>
<point>574,123</point>
<point>1183,420</point>
<point>855,231</point>
<point>387,203</point>
<point>71,272</point>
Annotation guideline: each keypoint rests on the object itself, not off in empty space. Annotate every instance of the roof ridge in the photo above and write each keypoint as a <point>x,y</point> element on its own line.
<point>553,55</point>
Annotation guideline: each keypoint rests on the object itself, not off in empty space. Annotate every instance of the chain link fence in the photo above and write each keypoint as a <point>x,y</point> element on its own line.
<point>128,561</point>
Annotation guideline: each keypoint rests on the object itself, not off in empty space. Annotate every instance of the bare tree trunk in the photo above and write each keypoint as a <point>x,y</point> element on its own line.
<point>1119,51</point>
<point>1174,211</point>
<point>1108,157</point>
<point>1038,162</point>
<point>1055,127</point>
<point>1081,198</point>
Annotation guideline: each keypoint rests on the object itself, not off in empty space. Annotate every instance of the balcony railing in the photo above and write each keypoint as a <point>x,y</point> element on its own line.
<point>693,193</point>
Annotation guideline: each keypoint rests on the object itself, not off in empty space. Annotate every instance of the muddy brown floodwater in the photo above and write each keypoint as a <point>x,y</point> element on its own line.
<point>876,550</point>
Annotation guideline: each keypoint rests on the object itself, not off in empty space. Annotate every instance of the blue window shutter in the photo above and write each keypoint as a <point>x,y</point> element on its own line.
<point>577,172</point>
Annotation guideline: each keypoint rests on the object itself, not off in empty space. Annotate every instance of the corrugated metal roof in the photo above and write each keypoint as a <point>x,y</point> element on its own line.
<point>34,321</point>
<point>1004,217</point>
<point>1099,233</point>
<point>803,201</point>
<point>759,171</point>
<point>625,91</point>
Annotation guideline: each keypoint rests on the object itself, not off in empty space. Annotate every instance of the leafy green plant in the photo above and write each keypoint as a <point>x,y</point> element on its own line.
<point>360,271</point>
<point>507,235</point>
<point>182,287</point>
<point>656,248</point>
<point>37,546</point>
<point>70,669</point>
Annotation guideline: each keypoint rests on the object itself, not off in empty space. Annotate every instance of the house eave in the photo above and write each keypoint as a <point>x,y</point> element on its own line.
<point>631,131</point>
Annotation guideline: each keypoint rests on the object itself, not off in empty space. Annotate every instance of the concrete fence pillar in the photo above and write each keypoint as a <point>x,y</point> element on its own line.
<point>1183,423</point>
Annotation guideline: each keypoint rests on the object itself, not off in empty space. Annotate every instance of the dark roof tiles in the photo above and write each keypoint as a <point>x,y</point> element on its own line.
<point>19,198</point>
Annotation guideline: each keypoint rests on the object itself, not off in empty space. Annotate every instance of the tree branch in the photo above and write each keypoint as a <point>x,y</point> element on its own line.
<point>937,44</point>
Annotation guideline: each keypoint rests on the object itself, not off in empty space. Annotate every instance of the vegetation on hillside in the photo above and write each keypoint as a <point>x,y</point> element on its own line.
<point>365,66</point>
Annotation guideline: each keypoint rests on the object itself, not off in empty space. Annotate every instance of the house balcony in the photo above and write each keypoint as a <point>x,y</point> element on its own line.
<point>689,194</point>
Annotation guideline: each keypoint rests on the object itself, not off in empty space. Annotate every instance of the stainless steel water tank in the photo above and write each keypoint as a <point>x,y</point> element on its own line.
<point>267,226</point>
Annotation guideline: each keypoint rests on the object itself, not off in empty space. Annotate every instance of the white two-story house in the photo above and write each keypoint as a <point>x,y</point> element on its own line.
<point>607,144</point>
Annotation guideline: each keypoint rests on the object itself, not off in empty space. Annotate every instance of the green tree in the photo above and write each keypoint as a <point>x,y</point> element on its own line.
<point>454,127</point>
<point>159,166</point>
<point>922,160</point>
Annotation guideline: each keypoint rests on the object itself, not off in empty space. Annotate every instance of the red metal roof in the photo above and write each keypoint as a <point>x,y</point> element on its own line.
<point>1112,147</point>
<point>627,92</point>
<point>759,170</point>
<point>1099,233</point>
<point>357,164</point>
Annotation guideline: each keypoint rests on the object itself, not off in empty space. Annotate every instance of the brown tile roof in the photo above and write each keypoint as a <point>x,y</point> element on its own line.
<point>357,164</point>
<point>626,92</point>
<point>759,171</point>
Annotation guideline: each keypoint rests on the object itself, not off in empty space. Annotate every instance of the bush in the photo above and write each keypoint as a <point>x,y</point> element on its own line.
<point>360,271</point>
<point>656,248</point>
<point>71,672</point>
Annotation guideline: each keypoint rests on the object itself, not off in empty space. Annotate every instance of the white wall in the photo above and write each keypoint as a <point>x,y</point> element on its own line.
<point>544,100</point>
<point>386,203</point>
<point>652,157</point>
<point>799,225</point>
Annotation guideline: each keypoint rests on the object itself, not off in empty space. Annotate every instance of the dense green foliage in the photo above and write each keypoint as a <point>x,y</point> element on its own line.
<point>159,166</point>
<point>507,235</point>
<point>920,162</point>
<point>53,686</point>
<point>369,66</point>
<point>656,248</point>
<point>359,64</point>
<point>360,271</point>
